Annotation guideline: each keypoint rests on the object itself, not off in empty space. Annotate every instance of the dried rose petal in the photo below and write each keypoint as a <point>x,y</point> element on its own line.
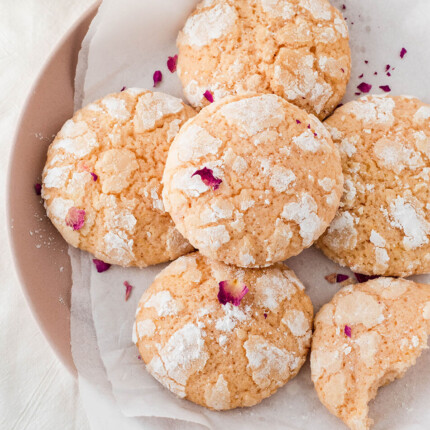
<point>347,330</point>
<point>298,121</point>
<point>343,70</point>
<point>231,292</point>
<point>309,126</point>
<point>101,266</point>
<point>123,89</point>
<point>361,76</point>
<point>38,189</point>
<point>388,74</point>
<point>340,278</point>
<point>128,289</point>
<point>385,88</point>
<point>357,94</point>
<point>336,278</point>
<point>208,178</point>
<point>364,87</point>
<point>139,357</point>
<point>343,7</point>
<point>95,177</point>
<point>364,278</point>
<point>366,62</point>
<point>158,77</point>
<point>171,63</point>
<point>403,52</point>
<point>208,96</point>
<point>75,218</point>
<point>331,278</point>
<point>387,67</point>
<point>265,315</point>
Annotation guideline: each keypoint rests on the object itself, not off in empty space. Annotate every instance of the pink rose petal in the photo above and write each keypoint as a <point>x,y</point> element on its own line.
<point>171,63</point>
<point>231,292</point>
<point>38,189</point>
<point>158,77</point>
<point>208,178</point>
<point>75,218</point>
<point>347,330</point>
<point>364,87</point>
<point>208,96</point>
<point>340,278</point>
<point>95,177</point>
<point>364,278</point>
<point>403,52</point>
<point>385,88</point>
<point>336,278</point>
<point>101,266</point>
<point>128,289</point>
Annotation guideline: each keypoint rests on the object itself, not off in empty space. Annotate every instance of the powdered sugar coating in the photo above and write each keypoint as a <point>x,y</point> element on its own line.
<point>248,143</point>
<point>163,303</point>
<point>222,356</point>
<point>265,359</point>
<point>409,218</point>
<point>210,24</point>
<point>383,224</point>
<point>254,114</point>
<point>304,213</point>
<point>387,335</point>
<point>309,36</point>
<point>122,140</point>
<point>217,396</point>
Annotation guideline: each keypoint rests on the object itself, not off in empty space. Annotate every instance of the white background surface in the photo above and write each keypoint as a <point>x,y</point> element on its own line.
<point>36,392</point>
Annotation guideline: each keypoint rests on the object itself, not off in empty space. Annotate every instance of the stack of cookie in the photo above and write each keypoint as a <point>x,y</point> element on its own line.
<point>139,178</point>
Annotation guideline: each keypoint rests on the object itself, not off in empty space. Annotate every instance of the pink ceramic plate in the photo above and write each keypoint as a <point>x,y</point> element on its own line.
<point>39,251</point>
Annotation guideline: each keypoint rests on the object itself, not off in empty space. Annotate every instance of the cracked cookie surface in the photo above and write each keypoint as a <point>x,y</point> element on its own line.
<point>383,224</point>
<point>297,49</point>
<point>276,180</point>
<point>367,336</point>
<point>102,178</point>
<point>223,356</point>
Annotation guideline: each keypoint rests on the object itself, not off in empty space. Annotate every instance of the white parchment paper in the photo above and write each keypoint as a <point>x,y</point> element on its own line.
<point>127,42</point>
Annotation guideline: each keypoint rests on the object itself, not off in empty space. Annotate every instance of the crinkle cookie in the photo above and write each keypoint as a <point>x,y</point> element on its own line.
<point>383,224</point>
<point>297,49</point>
<point>220,336</point>
<point>252,180</point>
<point>102,178</point>
<point>366,337</point>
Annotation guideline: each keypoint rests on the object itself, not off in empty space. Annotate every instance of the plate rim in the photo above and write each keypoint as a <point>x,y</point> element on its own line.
<point>65,357</point>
